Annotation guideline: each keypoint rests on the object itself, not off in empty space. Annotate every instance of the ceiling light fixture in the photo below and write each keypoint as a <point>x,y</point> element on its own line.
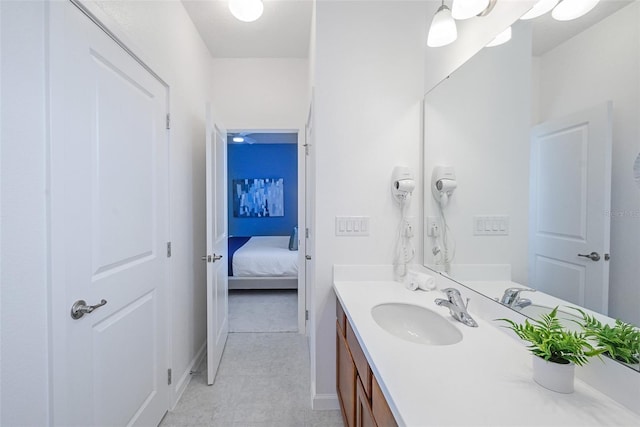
<point>246,10</point>
<point>465,9</point>
<point>540,8</point>
<point>443,29</point>
<point>573,9</point>
<point>501,38</point>
<point>238,139</point>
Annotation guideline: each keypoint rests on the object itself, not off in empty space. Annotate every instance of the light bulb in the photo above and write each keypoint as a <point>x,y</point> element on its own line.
<point>573,9</point>
<point>501,38</point>
<point>540,8</point>
<point>246,10</point>
<point>465,9</point>
<point>443,28</point>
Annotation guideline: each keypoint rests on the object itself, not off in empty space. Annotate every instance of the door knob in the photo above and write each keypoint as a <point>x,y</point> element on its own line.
<point>593,256</point>
<point>216,257</point>
<point>80,308</point>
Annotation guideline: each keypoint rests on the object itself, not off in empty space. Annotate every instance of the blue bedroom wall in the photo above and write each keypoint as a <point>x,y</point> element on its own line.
<point>264,161</point>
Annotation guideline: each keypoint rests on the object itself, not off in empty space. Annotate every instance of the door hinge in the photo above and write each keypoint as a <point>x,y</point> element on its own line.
<point>168,121</point>
<point>169,376</point>
<point>306,315</point>
<point>168,249</point>
<point>306,233</point>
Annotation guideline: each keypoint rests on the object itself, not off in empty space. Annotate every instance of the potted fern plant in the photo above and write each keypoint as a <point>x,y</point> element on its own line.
<point>556,351</point>
<point>620,342</point>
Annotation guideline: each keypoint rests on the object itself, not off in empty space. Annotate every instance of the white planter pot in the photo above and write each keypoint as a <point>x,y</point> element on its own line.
<point>553,376</point>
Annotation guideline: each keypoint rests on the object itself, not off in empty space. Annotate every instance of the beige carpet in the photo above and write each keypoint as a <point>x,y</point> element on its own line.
<point>263,310</point>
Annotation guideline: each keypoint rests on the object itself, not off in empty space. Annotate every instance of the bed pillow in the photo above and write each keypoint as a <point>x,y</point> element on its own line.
<point>293,239</point>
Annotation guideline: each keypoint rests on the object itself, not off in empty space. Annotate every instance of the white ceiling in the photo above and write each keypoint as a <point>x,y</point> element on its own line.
<point>549,33</point>
<point>282,31</point>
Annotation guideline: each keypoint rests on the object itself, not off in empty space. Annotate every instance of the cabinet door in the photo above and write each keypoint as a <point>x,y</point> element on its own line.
<point>364,415</point>
<point>345,380</point>
<point>381,411</point>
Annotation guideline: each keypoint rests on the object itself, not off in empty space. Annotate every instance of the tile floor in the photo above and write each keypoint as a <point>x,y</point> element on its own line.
<point>263,380</point>
<point>263,310</point>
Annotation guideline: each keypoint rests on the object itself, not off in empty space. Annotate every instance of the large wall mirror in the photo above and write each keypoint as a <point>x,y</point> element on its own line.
<point>538,139</point>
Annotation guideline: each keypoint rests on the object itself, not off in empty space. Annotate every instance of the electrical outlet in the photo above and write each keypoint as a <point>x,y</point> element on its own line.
<point>410,226</point>
<point>433,226</point>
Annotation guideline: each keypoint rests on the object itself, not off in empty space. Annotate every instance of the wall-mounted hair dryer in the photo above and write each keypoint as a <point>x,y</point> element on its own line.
<point>402,183</point>
<point>443,184</point>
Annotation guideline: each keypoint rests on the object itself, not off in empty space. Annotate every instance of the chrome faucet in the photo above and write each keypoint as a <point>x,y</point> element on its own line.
<point>457,307</point>
<point>511,298</point>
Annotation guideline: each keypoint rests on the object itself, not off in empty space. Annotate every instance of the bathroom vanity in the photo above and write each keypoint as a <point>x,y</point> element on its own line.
<point>483,379</point>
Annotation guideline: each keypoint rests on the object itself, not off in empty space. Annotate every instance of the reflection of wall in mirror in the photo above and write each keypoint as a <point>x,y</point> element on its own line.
<point>600,64</point>
<point>478,122</point>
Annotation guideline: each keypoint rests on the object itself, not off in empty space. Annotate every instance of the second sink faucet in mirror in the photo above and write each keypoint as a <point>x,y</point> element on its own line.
<point>511,298</point>
<point>457,307</point>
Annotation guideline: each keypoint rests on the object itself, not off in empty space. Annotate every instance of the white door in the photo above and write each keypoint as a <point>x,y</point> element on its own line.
<point>109,229</point>
<point>309,194</point>
<point>216,257</point>
<point>570,197</point>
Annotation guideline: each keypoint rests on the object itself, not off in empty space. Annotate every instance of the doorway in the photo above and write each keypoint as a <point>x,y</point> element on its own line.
<point>266,210</point>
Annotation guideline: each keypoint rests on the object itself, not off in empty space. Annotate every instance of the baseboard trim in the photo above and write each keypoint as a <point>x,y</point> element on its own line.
<point>185,378</point>
<point>325,402</point>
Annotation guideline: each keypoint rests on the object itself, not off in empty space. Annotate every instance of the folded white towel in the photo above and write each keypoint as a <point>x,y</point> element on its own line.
<point>415,280</point>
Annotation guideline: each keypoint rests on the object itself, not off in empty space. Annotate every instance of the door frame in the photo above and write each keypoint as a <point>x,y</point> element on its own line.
<point>56,281</point>
<point>302,285</point>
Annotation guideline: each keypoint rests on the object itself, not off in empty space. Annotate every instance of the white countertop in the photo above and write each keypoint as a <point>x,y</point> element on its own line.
<point>485,379</point>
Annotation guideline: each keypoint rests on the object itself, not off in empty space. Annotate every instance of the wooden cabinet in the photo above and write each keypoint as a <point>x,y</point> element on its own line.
<point>361,400</point>
<point>346,380</point>
<point>364,414</point>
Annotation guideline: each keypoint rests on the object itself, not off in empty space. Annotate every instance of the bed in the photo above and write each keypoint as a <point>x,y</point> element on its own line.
<point>262,262</point>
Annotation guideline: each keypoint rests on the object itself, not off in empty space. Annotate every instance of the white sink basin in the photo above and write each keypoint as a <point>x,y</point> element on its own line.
<point>535,311</point>
<point>416,324</point>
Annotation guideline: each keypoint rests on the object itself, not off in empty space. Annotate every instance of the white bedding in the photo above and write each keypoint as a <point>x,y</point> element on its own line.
<point>265,256</point>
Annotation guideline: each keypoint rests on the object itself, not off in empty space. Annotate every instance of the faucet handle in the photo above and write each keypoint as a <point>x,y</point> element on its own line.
<point>451,292</point>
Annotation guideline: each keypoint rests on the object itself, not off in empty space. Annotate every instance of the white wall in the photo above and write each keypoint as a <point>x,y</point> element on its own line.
<point>163,35</point>
<point>478,122</point>
<point>23,275</point>
<point>597,65</point>
<point>260,93</point>
<point>369,81</point>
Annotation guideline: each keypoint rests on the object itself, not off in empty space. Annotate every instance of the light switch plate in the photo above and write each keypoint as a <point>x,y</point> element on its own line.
<point>494,225</point>
<point>352,226</point>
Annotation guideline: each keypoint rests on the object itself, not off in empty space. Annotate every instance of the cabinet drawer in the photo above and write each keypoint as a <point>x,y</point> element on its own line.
<point>381,411</point>
<point>359,360</point>
<point>342,318</point>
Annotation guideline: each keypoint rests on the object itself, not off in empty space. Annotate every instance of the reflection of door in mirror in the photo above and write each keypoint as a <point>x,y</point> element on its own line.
<point>480,120</point>
<point>570,184</point>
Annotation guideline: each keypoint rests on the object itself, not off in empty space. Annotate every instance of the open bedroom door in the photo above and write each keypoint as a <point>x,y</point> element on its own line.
<point>216,257</point>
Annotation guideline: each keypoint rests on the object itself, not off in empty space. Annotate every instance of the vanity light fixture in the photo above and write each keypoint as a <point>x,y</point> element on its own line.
<point>573,9</point>
<point>501,38</point>
<point>465,9</point>
<point>443,29</point>
<point>540,8</point>
<point>246,10</point>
